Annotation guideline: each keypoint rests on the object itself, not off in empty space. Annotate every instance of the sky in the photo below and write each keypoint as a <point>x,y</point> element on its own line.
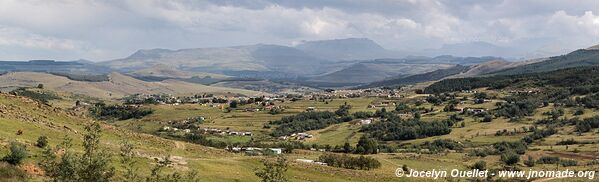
<point>109,29</point>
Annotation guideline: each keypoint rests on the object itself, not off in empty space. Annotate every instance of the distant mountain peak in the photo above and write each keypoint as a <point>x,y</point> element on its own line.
<point>347,49</point>
<point>148,53</point>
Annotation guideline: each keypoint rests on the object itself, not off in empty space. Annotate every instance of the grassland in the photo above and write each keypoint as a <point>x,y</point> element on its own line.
<point>218,165</point>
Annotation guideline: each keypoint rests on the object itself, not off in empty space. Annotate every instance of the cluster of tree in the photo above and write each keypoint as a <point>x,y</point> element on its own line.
<point>587,124</point>
<point>440,145</point>
<point>437,99</point>
<point>363,114</point>
<point>366,146</point>
<point>515,109</point>
<point>198,138</point>
<point>574,142</point>
<point>591,101</point>
<point>306,121</point>
<point>582,79</point>
<point>498,148</point>
<point>394,128</point>
<point>120,112</point>
<point>539,134</point>
<point>349,162</point>
<point>42,97</point>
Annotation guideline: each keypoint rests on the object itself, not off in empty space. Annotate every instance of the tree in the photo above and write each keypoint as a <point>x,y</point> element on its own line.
<point>40,86</point>
<point>42,142</point>
<point>367,145</point>
<point>487,118</point>
<point>233,104</point>
<point>343,110</point>
<point>347,148</point>
<point>95,161</point>
<point>93,165</point>
<point>131,172</point>
<point>273,171</point>
<point>17,153</point>
<point>530,162</point>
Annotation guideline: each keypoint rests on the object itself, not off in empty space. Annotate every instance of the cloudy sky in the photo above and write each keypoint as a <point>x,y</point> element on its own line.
<point>102,30</point>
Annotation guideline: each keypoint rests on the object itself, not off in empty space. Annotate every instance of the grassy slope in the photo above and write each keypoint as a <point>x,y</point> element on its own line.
<point>213,164</point>
<point>118,86</point>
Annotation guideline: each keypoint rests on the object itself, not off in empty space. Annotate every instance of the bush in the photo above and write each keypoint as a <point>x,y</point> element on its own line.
<point>487,118</point>
<point>510,158</point>
<point>17,153</point>
<point>548,160</point>
<point>530,162</point>
<point>42,142</point>
<point>567,163</point>
<point>480,165</point>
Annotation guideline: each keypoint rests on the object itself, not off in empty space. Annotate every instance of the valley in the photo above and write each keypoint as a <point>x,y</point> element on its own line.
<point>327,120</point>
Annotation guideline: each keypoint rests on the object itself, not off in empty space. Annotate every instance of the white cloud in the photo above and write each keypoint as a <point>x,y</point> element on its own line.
<point>22,38</point>
<point>110,29</point>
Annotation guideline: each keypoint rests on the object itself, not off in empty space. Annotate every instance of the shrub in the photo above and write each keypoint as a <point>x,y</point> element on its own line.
<point>17,153</point>
<point>510,158</point>
<point>487,118</point>
<point>548,160</point>
<point>42,142</point>
<point>567,163</point>
<point>530,162</point>
<point>480,165</point>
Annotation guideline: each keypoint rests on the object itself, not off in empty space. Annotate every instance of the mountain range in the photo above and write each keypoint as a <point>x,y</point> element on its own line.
<point>323,63</point>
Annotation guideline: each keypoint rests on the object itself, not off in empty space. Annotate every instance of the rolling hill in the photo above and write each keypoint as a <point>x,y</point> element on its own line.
<point>366,72</point>
<point>381,69</point>
<point>430,76</point>
<point>578,58</point>
<point>118,86</point>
